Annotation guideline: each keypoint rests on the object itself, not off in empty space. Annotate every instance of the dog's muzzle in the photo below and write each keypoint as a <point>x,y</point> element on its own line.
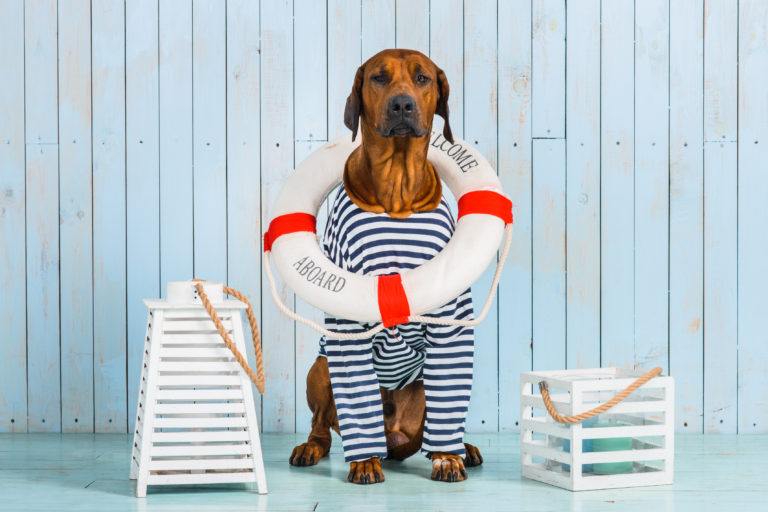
<point>401,118</point>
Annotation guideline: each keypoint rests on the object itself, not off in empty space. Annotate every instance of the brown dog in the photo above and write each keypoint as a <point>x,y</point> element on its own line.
<point>394,98</point>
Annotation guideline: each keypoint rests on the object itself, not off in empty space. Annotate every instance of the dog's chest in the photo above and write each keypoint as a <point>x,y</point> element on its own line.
<point>376,244</point>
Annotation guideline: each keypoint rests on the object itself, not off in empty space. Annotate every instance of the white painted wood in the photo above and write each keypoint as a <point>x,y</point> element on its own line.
<point>208,436</point>
<point>201,478</point>
<point>201,464</point>
<point>644,420</point>
<point>145,411</point>
<point>257,461</point>
<point>191,450</point>
<point>204,411</point>
<point>197,422</point>
<point>198,380</point>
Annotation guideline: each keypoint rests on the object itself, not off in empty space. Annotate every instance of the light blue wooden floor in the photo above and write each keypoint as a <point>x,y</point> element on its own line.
<point>85,472</point>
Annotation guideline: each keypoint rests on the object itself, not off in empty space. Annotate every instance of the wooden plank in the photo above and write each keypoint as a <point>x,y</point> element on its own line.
<point>278,331</point>
<point>481,94</point>
<point>209,132</point>
<point>720,218</point>
<point>515,330</point>
<point>686,258</point>
<point>651,183</point>
<point>206,408</point>
<point>752,218</point>
<point>243,138</point>
<point>617,176</point>
<point>109,282</point>
<point>720,70</point>
<point>446,49</point>
<point>13,291</point>
<point>548,73</point>
<point>40,41</point>
<point>412,24</point>
<point>378,26</point>
<point>344,57</point>
<point>192,450</point>
<point>198,381</point>
<point>42,214</point>
<point>583,185</point>
<point>76,214</point>
<point>720,288</point>
<point>548,254</point>
<point>203,464</point>
<point>142,177</point>
<point>175,111</point>
<point>311,128</point>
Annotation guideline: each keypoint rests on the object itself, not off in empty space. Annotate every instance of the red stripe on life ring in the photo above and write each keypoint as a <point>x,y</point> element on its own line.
<point>487,202</point>
<point>393,303</point>
<point>285,224</point>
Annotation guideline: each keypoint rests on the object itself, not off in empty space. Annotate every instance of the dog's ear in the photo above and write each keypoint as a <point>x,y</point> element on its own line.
<point>442,103</point>
<point>354,103</point>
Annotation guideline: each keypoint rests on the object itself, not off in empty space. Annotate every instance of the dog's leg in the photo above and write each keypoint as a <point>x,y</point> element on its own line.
<point>320,400</point>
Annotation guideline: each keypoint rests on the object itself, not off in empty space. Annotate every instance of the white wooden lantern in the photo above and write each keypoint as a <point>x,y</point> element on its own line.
<point>630,445</point>
<point>195,421</point>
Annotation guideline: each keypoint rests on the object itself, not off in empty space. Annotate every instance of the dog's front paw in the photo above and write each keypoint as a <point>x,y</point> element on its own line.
<point>307,454</point>
<point>447,467</point>
<point>473,457</point>
<point>366,471</point>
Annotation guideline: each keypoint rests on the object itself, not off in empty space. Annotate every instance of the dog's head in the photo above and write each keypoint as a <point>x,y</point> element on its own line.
<point>398,92</point>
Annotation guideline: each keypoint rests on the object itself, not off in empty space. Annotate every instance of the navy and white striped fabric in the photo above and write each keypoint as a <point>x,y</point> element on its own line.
<point>376,244</point>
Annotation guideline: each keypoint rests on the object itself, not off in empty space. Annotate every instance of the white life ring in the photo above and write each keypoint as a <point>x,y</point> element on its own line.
<point>483,213</point>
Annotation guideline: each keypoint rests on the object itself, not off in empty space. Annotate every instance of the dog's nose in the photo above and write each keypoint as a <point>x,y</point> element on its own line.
<point>401,105</point>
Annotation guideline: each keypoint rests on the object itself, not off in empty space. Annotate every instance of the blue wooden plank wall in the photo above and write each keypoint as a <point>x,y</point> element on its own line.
<point>145,141</point>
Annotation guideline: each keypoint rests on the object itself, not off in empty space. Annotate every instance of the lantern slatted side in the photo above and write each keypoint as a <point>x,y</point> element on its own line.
<point>195,421</point>
<point>563,455</point>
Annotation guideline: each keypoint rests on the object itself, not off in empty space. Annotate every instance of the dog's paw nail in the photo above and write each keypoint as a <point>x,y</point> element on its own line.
<point>367,479</point>
<point>303,461</point>
<point>312,460</point>
<point>377,477</point>
<point>464,473</point>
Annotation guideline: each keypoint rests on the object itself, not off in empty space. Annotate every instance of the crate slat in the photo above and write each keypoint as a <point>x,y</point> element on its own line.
<point>205,464</point>
<point>220,408</point>
<point>193,326</point>
<point>210,436</point>
<point>202,478</point>
<point>191,339</point>
<point>199,394</point>
<point>196,352</point>
<point>188,450</point>
<point>197,422</point>
<point>198,380</point>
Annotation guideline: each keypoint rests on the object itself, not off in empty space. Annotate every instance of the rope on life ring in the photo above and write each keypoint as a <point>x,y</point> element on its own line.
<point>578,418</point>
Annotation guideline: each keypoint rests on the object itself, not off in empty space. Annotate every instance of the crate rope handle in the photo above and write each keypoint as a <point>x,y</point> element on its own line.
<point>258,378</point>
<point>578,418</point>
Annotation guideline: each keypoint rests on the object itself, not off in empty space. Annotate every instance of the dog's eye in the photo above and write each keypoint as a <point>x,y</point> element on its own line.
<point>379,79</point>
<point>422,79</point>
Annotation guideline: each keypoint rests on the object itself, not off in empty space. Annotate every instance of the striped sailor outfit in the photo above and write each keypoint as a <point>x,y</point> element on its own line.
<point>377,244</point>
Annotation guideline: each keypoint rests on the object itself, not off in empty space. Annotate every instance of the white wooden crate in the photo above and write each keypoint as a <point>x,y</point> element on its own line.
<point>195,420</point>
<point>553,453</point>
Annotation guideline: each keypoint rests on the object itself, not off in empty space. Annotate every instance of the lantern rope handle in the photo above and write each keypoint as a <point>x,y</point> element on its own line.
<point>258,377</point>
<point>577,418</point>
